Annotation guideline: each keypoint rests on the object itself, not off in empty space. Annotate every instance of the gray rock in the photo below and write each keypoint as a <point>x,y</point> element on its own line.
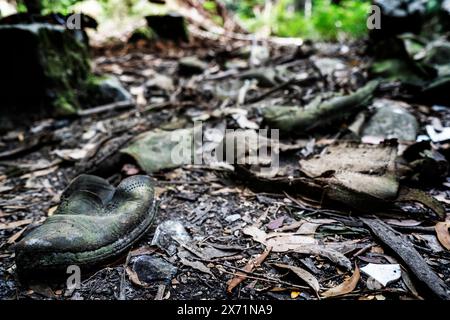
<point>391,120</point>
<point>103,90</point>
<point>233,217</point>
<point>112,90</point>
<point>169,235</point>
<point>154,269</point>
<point>328,66</point>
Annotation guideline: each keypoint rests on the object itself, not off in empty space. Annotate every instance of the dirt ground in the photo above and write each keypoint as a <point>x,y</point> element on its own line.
<point>214,207</point>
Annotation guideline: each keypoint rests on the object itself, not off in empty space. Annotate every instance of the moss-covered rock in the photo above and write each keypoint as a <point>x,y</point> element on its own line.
<point>100,90</point>
<point>45,71</point>
<point>43,68</point>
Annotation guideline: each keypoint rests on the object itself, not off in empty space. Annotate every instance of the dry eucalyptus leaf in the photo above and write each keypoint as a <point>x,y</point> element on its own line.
<point>443,234</point>
<point>345,287</point>
<point>302,274</point>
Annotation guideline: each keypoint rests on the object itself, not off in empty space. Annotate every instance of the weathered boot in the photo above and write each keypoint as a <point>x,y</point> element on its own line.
<point>94,224</point>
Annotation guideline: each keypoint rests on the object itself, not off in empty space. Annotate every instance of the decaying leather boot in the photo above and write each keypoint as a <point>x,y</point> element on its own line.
<point>94,224</point>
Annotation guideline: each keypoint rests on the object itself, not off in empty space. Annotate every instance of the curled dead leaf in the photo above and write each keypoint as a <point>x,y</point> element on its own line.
<point>252,264</point>
<point>302,274</point>
<point>442,233</point>
<point>345,287</point>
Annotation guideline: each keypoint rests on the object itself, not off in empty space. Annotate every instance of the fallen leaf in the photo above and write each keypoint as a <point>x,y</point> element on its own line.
<point>431,242</point>
<point>15,224</point>
<point>409,283</point>
<point>351,157</point>
<point>256,233</point>
<point>134,277</point>
<point>438,137</point>
<point>51,211</point>
<point>345,287</point>
<point>143,250</point>
<point>252,264</point>
<point>288,241</point>
<point>275,224</point>
<point>329,253</point>
<point>302,274</point>
<point>383,273</point>
<point>159,191</point>
<point>293,226</point>
<point>130,169</point>
<point>4,188</point>
<point>403,223</point>
<point>308,229</point>
<point>197,265</point>
<point>442,198</point>
<point>225,190</point>
<point>443,234</point>
<point>419,196</point>
<point>16,236</point>
<point>280,242</point>
<point>283,242</point>
<point>74,154</point>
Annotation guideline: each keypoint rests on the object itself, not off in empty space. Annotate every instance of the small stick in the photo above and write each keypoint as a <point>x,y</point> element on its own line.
<point>107,107</point>
<point>262,278</point>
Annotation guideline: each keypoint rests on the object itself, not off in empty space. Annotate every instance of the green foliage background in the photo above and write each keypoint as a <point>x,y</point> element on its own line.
<point>328,21</point>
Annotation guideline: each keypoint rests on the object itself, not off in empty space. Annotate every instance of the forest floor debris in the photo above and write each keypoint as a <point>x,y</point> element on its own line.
<point>225,238</point>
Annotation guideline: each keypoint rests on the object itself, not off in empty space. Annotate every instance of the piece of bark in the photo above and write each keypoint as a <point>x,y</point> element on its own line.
<point>413,260</point>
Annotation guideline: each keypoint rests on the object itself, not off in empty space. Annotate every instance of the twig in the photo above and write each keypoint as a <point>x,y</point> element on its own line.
<point>262,278</point>
<point>416,229</point>
<point>441,255</point>
<point>120,105</point>
<point>362,250</point>
<point>29,147</point>
<point>278,88</point>
<point>157,106</point>
<point>250,266</point>
<point>215,260</point>
<point>222,75</point>
<point>122,295</point>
